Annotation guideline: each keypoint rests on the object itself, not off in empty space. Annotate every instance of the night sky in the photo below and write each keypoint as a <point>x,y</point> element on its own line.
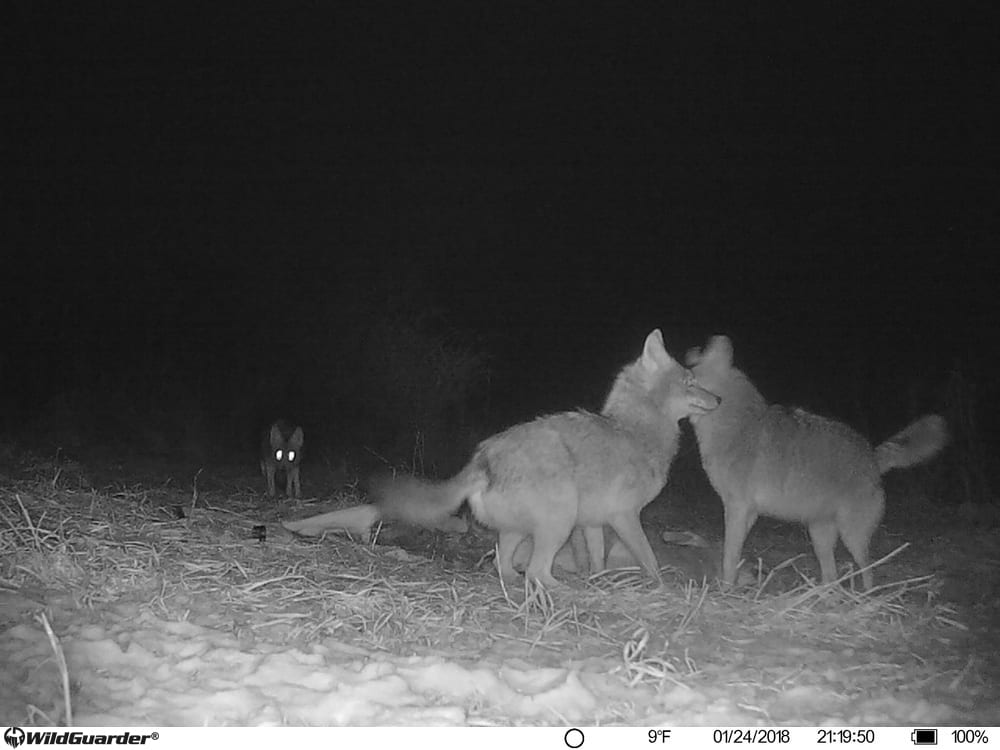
<point>230,198</point>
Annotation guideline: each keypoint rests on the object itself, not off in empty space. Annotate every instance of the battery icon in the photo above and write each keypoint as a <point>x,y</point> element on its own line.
<point>924,736</point>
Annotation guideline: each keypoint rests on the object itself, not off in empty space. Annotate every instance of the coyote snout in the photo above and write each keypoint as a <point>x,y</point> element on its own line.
<point>796,466</point>
<point>281,450</point>
<point>696,400</point>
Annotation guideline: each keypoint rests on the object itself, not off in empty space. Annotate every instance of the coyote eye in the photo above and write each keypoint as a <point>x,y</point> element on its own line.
<point>291,455</point>
<point>277,454</point>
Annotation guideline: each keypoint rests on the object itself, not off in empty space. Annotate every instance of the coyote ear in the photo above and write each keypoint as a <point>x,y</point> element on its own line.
<point>295,441</point>
<point>654,353</point>
<point>275,437</point>
<point>720,348</point>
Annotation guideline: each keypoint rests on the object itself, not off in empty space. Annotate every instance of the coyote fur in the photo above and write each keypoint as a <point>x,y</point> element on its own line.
<point>542,478</point>
<point>795,466</point>
<point>281,450</point>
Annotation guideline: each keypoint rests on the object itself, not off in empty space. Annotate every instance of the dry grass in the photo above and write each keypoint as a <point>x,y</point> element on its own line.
<point>196,555</point>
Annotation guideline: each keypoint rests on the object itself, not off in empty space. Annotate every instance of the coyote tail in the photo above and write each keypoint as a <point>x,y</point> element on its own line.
<point>912,445</point>
<point>424,502</point>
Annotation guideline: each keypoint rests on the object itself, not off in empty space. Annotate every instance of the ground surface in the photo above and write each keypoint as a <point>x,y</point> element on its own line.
<point>171,607</point>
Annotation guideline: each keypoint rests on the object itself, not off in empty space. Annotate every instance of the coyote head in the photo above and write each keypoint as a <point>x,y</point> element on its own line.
<point>284,450</point>
<point>713,365</point>
<point>687,398</point>
<point>676,388</point>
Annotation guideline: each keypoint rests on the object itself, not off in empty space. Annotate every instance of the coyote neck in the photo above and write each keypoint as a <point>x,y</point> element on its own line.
<point>634,410</point>
<point>742,405</point>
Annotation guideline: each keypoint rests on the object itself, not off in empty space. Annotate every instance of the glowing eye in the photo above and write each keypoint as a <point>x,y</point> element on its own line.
<point>277,454</point>
<point>291,455</point>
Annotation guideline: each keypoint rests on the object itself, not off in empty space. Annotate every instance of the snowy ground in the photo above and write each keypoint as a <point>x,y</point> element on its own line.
<point>166,620</point>
<point>138,669</point>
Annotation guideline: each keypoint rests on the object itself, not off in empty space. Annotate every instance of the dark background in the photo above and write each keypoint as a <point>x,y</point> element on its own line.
<point>417,226</point>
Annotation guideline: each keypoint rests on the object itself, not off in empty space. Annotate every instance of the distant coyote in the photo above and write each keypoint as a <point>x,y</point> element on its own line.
<point>796,466</point>
<point>281,450</point>
<point>542,478</point>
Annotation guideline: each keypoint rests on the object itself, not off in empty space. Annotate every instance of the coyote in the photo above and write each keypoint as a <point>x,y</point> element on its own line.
<point>281,450</point>
<point>542,478</point>
<point>796,466</point>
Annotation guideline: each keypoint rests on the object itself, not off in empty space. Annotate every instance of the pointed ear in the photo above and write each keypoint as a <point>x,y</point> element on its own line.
<point>295,441</point>
<point>654,353</point>
<point>720,350</point>
<point>275,437</point>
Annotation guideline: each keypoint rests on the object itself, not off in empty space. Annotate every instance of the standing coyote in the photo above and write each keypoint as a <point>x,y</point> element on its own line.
<point>576,468</point>
<point>796,466</point>
<point>281,450</point>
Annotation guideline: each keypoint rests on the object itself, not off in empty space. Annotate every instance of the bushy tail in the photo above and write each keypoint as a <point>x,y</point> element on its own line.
<point>422,502</point>
<point>913,445</point>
